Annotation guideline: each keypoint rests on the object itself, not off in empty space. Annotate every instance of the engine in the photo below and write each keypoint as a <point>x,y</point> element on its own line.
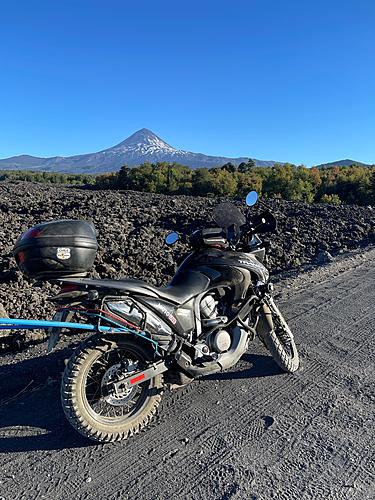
<point>209,307</point>
<point>218,341</point>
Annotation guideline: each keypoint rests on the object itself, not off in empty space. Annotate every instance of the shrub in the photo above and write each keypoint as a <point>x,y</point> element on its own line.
<point>332,199</point>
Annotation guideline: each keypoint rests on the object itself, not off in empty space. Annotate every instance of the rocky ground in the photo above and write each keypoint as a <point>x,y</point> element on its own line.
<point>131,227</point>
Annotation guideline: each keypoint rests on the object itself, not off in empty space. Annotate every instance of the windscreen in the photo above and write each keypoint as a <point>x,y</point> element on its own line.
<point>227,214</point>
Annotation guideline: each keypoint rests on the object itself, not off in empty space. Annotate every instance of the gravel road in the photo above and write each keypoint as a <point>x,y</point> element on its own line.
<point>249,433</point>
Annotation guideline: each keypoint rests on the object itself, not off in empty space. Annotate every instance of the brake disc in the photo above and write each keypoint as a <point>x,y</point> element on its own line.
<point>112,397</point>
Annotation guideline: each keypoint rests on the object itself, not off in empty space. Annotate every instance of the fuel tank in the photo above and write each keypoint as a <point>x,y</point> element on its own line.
<point>224,267</point>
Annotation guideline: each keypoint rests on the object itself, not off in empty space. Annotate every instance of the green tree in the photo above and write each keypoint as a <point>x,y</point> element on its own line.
<point>246,167</point>
<point>202,182</point>
<point>229,167</point>
<point>224,183</point>
<point>249,181</point>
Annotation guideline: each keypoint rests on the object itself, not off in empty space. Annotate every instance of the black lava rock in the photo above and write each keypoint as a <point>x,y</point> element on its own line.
<point>131,227</point>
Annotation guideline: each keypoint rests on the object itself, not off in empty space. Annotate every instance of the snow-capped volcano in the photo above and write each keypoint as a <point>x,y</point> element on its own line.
<point>145,143</point>
<point>142,146</point>
<point>144,139</point>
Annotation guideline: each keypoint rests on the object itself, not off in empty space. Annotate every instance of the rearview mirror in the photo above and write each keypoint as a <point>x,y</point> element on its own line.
<point>251,198</point>
<point>171,238</point>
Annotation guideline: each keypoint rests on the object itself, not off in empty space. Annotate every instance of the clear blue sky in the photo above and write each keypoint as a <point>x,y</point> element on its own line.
<point>287,80</point>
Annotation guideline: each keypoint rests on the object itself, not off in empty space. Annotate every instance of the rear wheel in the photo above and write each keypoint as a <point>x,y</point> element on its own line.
<point>278,338</point>
<point>88,403</point>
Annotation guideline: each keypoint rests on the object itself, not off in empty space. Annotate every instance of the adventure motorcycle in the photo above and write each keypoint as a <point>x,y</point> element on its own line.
<point>219,299</point>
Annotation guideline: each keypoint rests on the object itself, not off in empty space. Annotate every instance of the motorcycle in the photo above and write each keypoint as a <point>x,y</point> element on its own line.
<point>150,338</point>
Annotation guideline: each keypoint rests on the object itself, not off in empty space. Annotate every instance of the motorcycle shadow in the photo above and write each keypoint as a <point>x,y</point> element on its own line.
<point>31,417</point>
<point>261,366</point>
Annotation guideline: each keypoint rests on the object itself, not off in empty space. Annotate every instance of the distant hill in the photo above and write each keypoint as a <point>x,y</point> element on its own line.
<point>343,163</point>
<point>140,147</point>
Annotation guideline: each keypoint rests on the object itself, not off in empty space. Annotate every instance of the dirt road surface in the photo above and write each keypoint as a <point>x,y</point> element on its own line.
<point>249,433</point>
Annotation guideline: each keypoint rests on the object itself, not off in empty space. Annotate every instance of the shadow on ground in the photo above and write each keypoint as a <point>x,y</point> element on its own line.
<point>36,422</point>
<point>33,420</point>
<point>31,417</point>
<point>261,366</point>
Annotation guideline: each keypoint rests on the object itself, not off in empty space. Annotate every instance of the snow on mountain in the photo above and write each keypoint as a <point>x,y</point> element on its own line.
<point>144,143</point>
<point>142,146</point>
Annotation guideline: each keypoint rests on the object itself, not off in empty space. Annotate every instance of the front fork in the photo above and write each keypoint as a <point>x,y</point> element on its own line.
<point>270,319</point>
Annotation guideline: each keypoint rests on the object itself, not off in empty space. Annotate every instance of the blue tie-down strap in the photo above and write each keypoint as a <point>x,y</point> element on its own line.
<point>36,324</point>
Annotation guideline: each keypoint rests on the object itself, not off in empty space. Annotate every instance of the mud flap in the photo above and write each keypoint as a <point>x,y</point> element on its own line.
<point>54,332</point>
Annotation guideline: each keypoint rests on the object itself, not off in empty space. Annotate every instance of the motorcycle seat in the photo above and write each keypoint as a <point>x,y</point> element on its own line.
<point>188,286</point>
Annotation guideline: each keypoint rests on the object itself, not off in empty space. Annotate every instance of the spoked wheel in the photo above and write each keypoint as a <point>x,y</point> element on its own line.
<point>278,338</point>
<point>91,405</point>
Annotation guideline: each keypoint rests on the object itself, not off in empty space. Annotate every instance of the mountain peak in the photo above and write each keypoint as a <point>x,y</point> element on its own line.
<point>144,137</point>
<point>142,146</point>
<point>142,133</point>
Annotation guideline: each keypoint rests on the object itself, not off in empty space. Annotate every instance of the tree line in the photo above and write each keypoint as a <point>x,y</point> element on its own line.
<point>47,177</point>
<point>335,185</point>
<point>353,184</point>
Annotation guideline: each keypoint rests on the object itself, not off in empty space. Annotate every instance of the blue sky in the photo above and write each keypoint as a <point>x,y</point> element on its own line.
<point>283,80</point>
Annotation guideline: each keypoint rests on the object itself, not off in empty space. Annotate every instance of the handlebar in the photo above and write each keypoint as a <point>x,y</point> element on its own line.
<point>233,235</point>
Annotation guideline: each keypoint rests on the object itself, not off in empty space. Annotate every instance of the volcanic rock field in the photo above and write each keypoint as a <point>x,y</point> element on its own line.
<point>131,227</point>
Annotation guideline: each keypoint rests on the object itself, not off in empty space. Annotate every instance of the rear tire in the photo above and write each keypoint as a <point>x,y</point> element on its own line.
<point>278,338</point>
<point>83,390</point>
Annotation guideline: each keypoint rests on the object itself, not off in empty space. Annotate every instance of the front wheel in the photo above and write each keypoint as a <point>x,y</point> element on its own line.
<point>277,336</point>
<point>95,411</point>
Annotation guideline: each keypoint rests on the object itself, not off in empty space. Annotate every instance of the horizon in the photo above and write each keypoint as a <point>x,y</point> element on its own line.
<point>161,138</point>
<point>288,83</point>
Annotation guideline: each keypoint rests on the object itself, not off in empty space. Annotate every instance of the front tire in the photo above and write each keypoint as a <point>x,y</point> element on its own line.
<point>90,408</point>
<point>277,337</point>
